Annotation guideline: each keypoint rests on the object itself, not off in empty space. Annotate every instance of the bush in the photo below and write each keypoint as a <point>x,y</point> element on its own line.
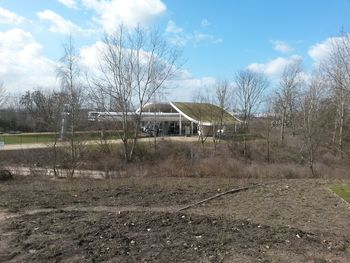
<point>5,175</point>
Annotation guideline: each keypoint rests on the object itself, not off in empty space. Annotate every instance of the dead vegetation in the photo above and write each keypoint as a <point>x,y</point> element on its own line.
<point>229,158</point>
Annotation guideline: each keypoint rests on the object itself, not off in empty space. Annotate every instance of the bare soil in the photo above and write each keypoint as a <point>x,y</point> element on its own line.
<point>136,220</point>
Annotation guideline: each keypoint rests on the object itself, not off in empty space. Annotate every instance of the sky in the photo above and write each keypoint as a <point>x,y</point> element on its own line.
<point>217,38</point>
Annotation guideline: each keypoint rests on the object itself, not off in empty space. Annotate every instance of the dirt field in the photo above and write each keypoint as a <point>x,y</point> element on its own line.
<point>136,220</point>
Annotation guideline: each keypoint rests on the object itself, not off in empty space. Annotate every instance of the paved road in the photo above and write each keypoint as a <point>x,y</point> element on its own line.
<point>25,146</point>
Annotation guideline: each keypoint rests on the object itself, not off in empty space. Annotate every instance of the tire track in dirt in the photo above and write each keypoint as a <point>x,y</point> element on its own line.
<point>111,209</point>
<point>117,209</point>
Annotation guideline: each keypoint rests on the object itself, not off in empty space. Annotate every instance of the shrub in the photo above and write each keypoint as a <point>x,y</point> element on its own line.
<point>5,175</point>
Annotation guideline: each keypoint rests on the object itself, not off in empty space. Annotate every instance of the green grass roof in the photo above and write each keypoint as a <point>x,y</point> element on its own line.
<point>205,112</point>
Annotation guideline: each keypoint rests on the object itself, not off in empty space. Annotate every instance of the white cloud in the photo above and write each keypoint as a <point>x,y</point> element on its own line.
<point>173,28</point>
<point>69,3</point>
<point>184,86</point>
<point>281,46</point>
<point>205,22</point>
<point>273,67</point>
<point>7,17</point>
<point>201,37</point>
<point>22,66</point>
<point>321,50</point>
<point>130,13</point>
<point>89,56</point>
<point>177,36</point>
<point>61,25</point>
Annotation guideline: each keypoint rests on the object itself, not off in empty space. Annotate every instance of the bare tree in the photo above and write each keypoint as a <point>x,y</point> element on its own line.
<point>2,94</point>
<point>45,108</point>
<point>267,126</point>
<point>313,121</point>
<point>134,65</point>
<point>68,72</point>
<point>249,92</point>
<point>223,99</point>
<point>337,67</point>
<point>287,95</point>
<point>202,98</point>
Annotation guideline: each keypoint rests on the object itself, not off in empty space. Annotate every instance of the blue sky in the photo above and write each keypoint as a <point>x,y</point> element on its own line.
<point>217,37</point>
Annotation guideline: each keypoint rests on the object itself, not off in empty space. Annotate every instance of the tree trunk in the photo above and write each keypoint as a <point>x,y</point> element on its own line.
<point>335,131</point>
<point>311,160</point>
<point>214,138</point>
<point>136,134</point>
<point>283,125</point>
<point>341,127</point>
<point>126,149</point>
<point>245,148</point>
<point>55,156</point>
<point>293,124</point>
<point>103,132</point>
<point>268,144</point>
<point>73,153</point>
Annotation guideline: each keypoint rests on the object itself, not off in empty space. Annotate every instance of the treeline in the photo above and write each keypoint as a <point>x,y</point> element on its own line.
<point>19,119</point>
<point>136,66</point>
<point>306,114</point>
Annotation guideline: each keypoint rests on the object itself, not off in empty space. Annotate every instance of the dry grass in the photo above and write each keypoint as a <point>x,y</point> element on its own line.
<point>191,159</point>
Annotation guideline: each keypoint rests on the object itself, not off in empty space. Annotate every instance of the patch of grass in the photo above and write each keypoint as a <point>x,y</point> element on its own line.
<point>27,138</point>
<point>343,191</point>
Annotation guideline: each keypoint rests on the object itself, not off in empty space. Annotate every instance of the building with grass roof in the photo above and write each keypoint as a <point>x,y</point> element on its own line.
<point>179,118</point>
